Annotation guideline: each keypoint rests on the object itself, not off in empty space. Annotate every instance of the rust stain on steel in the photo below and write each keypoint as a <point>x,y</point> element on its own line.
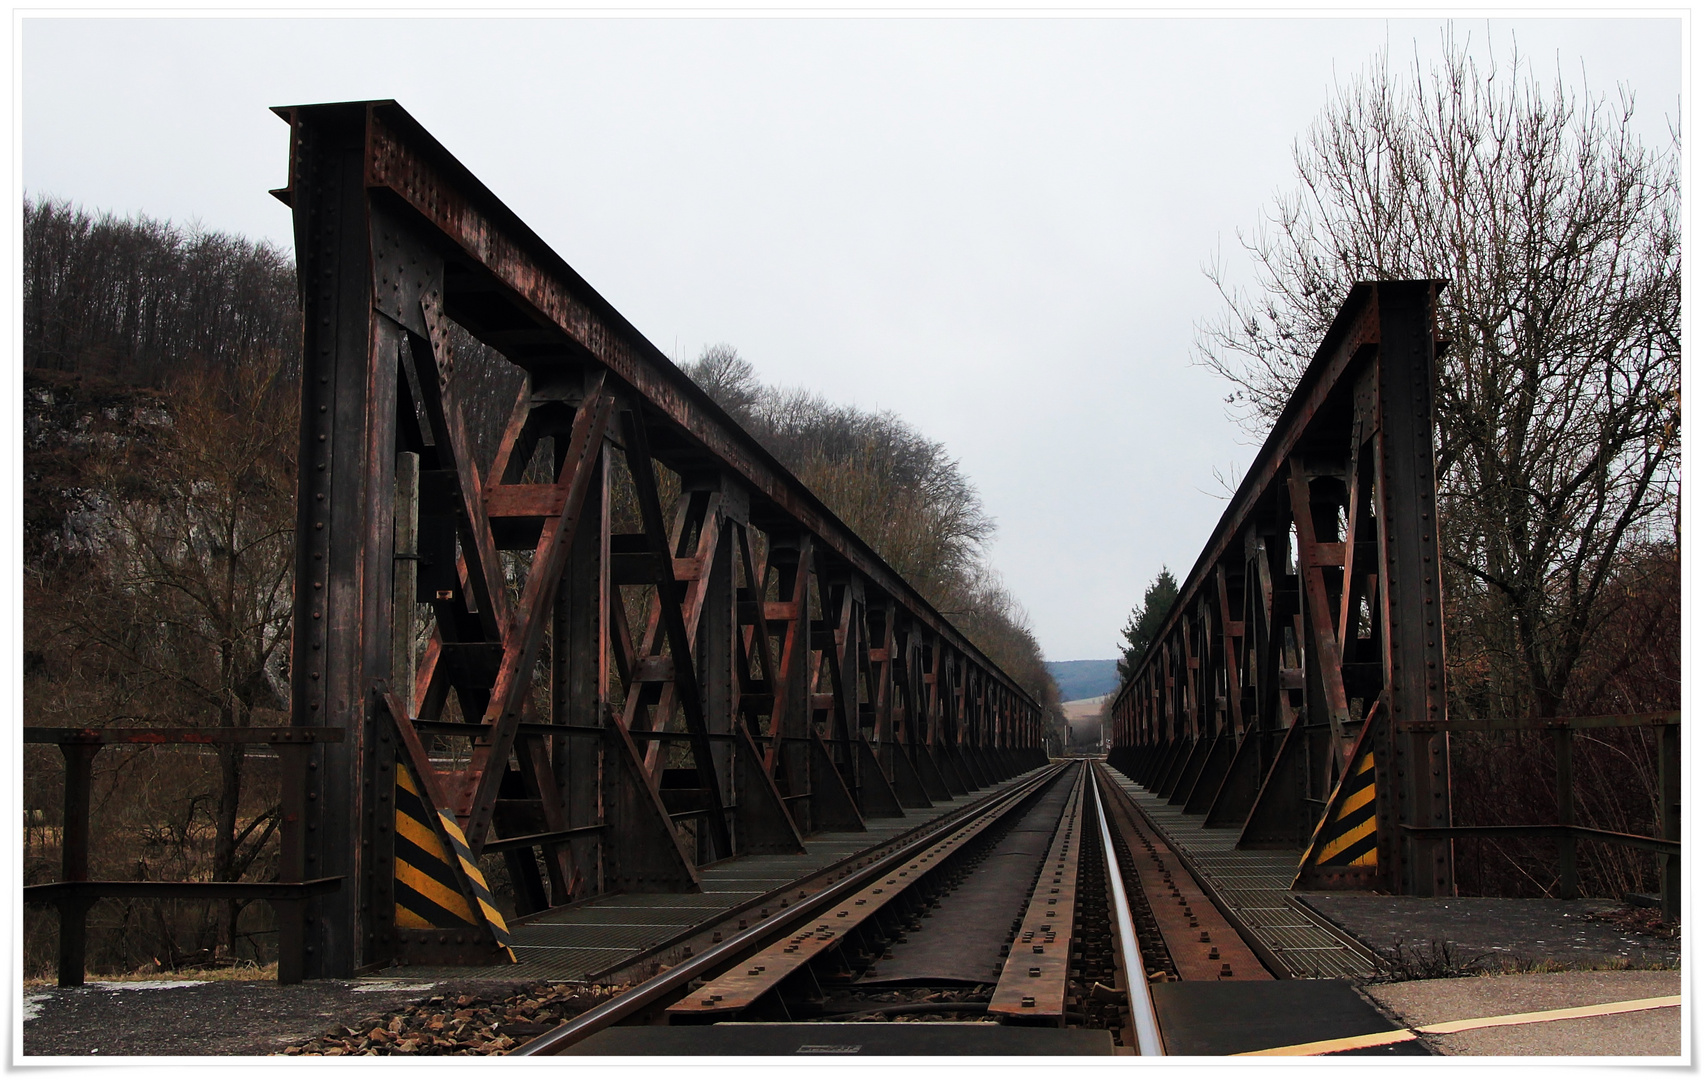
<point>1038,964</point>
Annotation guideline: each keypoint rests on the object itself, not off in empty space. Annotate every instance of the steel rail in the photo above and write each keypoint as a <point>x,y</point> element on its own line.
<point>1136,975</point>
<point>676,980</point>
<point>1239,925</point>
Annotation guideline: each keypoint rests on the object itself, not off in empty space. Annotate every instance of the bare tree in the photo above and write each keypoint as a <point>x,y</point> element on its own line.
<point>186,596</point>
<point>1558,403</point>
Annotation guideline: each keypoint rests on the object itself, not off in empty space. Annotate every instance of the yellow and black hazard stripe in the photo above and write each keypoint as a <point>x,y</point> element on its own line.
<point>432,891</point>
<point>1347,837</point>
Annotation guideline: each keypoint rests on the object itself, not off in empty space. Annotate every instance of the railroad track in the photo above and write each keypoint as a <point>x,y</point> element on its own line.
<point>998,931</point>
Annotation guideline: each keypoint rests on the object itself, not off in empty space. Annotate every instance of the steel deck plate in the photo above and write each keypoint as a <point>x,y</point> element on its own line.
<point>1212,1019</point>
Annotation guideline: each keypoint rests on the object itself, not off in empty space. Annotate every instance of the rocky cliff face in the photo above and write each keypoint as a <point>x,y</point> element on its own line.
<point>68,421</point>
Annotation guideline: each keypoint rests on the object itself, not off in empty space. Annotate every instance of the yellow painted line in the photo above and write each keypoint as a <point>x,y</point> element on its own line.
<point>434,891</point>
<point>1386,1038</point>
<point>493,916</point>
<point>405,781</point>
<point>1333,1046</point>
<point>417,833</point>
<point>452,828</point>
<point>1347,840</point>
<point>1607,1009</point>
<point>409,919</point>
<point>1356,802</point>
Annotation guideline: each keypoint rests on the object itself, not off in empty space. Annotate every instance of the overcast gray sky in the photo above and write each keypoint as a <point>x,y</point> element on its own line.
<point>993,227</point>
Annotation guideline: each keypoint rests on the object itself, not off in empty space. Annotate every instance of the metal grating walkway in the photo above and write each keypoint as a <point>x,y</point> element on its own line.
<point>1256,885</point>
<point>575,943</point>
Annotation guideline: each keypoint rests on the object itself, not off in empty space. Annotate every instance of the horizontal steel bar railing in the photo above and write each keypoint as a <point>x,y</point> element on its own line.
<point>75,892</point>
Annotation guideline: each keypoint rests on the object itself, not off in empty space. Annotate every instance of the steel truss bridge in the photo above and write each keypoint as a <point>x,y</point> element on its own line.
<point>633,651</point>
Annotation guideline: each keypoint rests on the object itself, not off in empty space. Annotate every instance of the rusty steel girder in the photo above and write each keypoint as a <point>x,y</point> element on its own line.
<point>468,624</point>
<point>1296,689</point>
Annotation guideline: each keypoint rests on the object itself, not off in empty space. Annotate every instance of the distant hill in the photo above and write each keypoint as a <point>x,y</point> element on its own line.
<point>1084,678</point>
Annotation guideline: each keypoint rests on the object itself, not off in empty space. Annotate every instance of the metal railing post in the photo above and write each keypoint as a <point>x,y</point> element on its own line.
<point>293,786</point>
<point>74,859</point>
<point>1568,885</point>
<point>1669,822</point>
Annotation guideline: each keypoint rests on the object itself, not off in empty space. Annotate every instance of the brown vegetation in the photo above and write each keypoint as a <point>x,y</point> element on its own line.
<point>464,1024</point>
<point>164,600</point>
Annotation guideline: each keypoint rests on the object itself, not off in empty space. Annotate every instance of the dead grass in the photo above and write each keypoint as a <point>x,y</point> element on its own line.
<point>1406,962</point>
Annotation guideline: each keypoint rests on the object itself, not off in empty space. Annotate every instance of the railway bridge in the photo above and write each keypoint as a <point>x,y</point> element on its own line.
<point>626,702</point>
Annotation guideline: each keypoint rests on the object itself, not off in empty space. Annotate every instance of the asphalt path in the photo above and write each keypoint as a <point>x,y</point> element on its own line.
<point>1630,1034</point>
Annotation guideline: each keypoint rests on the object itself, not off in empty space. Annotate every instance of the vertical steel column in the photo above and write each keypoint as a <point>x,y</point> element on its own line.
<point>340,641</point>
<point>1418,760</point>
<point>1563,740</point>
<point>293,782</point>
<point>74,858</point>
<point>790,718</point>
<point>1669,822</point>
<point>713,649</point>
<point>579,620</point>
